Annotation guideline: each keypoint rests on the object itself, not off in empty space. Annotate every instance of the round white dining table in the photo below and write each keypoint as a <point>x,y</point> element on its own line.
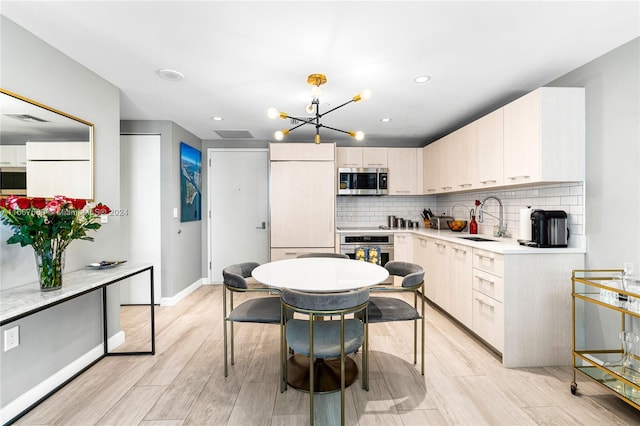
<point>325,275</point>
<point>320,274</point>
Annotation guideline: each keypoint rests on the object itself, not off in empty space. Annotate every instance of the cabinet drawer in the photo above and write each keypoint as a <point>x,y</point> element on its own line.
<point>488,284</point>
<point>488,320</point>
<point>293,252</point>
<point>488,261</point>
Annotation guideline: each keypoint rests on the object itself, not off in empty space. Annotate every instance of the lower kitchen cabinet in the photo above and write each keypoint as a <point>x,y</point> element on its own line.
<point>292,253</point>
<point>519,304</point>
<point>459,276</point>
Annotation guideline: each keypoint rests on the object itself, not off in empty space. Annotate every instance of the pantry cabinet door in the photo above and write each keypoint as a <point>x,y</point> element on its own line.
<point>302,204</point>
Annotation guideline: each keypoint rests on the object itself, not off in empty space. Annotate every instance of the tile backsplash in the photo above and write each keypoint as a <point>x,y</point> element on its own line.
<point>373,211</point>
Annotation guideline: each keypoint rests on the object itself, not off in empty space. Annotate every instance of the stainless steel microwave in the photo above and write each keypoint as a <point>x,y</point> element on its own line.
<point>362,181</point>
<point>13,181</point>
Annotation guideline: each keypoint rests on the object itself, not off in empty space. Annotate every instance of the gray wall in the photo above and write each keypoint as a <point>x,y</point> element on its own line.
<point>182,258</point>
<point>53,339</point>
<point>612,217</point>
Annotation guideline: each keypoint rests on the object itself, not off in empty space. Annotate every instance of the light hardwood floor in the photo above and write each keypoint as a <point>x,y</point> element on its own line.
<point>184,384</point>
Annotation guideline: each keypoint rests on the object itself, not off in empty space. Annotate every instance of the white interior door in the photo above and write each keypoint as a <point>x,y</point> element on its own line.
<point>140,195</point>
<point>238,206</point>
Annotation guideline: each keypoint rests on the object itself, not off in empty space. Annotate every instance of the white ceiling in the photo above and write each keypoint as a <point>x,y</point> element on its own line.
<point>239,58</point>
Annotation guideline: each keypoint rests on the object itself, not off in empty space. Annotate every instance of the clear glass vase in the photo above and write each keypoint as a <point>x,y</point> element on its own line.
<point>50,265</point>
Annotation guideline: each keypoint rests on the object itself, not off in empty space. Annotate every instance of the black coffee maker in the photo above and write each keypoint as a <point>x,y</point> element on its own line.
<point>549,228</point>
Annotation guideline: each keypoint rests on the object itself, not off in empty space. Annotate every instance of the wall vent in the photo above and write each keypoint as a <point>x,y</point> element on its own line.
<point>234,134</point>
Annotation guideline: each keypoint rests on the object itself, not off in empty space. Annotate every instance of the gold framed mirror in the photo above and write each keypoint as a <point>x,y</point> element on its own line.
<point>43,151</point>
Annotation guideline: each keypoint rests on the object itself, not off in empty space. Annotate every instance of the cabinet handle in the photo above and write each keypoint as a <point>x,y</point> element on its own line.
<point>459,249</point>
<point>290,253</point>
<point>482,302</point>
<point>492,283</point>
<point>484,182</point>
<point>5,162</point>
<point>485,257</point>
<point>431,190</point>
<point>464,185</point>
<point>518,177</point>
<point>446,187</point>
<point>350,164</point>
<point>375,164</point>
<point>440,244</point>
<point>403,191</point>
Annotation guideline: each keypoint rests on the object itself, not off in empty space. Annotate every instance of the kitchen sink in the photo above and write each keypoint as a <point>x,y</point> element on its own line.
<point>479,239</point>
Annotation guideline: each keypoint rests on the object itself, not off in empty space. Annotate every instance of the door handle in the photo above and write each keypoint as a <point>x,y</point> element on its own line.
<point>263,226</point>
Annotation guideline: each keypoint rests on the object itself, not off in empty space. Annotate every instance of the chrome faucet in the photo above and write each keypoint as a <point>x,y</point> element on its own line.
<point>481,212</point>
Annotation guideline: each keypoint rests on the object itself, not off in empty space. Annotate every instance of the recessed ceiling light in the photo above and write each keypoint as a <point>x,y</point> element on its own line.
<point>171,75</point>
<point>422,78</point>
<point>385,120</point>
<point>216,118</point>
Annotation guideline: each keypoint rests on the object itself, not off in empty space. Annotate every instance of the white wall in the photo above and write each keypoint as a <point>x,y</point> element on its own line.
<point>54,338</point>
<point>612,217</point>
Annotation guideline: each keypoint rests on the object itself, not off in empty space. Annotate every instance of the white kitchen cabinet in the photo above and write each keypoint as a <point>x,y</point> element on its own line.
<point>431,169</point>
<point>488,297</point>
<point>489,134</point>
<point>374,157</point>
<point>348,157</point>
<point>13,156</point>
<point>421,257</point>
<point>59,168</point>
<point>402,250</point>
<point>69,178</point>
<point>544,136</point>
<point>463,158</point>
<point>296,151</point>
<point>356,157</point>
<point>439,258</point>
<point>302,203</point>
<point>292,253</point>
<point>302,197</point>
<point>404,171</point>
<point>459,275</point>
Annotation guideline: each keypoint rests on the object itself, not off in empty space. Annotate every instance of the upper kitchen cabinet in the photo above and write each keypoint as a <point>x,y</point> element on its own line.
<point>405,171</point>
<point>431,167</point>
<point>489,136</point>
<point>301,152</point>
<point>544,136</point>
<point>13,156</point>
<point>462,159</point>
<point>361,157</point>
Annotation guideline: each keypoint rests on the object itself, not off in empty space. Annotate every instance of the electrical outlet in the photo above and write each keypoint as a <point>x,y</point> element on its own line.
<point>104,218</point>
<point>11,338</point>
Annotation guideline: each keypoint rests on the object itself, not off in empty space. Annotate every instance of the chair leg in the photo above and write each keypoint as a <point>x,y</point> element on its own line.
<point>415,342</point>
<point>342,372</point>
<point>311,373</point>
<point>224,323</point>
<point>422,339</point>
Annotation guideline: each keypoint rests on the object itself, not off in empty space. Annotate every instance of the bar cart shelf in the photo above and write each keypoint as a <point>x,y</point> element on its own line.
<point>602,312</point>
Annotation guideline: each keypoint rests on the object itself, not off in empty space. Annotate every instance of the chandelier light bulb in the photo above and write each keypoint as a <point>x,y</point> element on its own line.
<point>279,135</point>
<point>366,94</point>
<point>273,113</point>
<point>316,92</point>
<point>309,109</point>
<point>359,135</point>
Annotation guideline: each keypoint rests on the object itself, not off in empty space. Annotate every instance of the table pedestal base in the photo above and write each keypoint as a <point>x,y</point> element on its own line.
<point>326,375</point>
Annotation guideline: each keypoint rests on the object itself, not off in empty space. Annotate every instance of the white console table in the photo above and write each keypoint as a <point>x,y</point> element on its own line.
<point>27,299</point>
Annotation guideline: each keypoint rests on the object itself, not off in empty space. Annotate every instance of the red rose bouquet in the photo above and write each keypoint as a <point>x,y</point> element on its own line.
<point>49,227</point>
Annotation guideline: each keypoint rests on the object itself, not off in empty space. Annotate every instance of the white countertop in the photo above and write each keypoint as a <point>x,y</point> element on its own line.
<point>500,245</point>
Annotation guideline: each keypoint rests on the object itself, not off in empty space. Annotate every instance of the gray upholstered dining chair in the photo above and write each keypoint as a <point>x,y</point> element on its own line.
<point>325,339</point>
<point>387,309</point>
<point>266,310</point>
<point>331,255</point>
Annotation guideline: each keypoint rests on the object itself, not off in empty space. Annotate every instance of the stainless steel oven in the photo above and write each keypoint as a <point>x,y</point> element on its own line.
<point>352,239</point>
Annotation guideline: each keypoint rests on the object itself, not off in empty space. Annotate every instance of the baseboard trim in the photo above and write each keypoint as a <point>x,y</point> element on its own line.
<point>172,301</point>
<point>24,401</point>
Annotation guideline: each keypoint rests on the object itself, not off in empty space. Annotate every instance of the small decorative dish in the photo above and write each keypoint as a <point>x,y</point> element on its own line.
<point>105,264</point>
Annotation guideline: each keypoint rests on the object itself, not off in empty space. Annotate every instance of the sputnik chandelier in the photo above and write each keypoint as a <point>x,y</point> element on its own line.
<point>316,80</point>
